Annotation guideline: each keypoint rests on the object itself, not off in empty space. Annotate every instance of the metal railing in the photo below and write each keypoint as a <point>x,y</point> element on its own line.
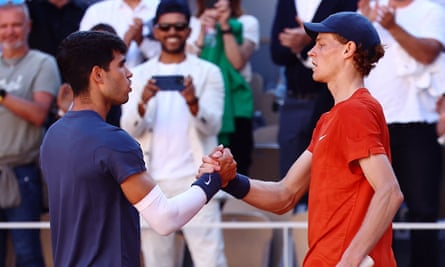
<point>285,226</point>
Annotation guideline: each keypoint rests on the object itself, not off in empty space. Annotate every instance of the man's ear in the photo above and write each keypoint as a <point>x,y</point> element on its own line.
<point>97,74</point>
<point>350,48</point>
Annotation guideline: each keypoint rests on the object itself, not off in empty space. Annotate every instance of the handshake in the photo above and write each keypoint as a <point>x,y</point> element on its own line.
<point>218,171</point>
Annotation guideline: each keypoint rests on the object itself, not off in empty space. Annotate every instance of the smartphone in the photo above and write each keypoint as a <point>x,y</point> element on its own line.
<point>169,82</point>
<point>210,3</point>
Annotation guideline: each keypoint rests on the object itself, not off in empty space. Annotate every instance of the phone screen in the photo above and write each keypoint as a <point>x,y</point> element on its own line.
<point>170,82</point>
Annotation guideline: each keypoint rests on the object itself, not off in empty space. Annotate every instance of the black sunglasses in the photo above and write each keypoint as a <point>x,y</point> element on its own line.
<point>179,26</point>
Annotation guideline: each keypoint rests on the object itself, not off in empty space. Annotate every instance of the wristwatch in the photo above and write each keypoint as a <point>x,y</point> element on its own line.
<point>227,31</point>
<point>3,94</point>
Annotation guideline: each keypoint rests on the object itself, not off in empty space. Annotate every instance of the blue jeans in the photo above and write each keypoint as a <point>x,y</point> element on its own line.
<point>27,245</point>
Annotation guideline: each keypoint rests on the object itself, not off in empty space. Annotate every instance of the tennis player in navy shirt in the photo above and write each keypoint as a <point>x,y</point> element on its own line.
<point>97,180</point>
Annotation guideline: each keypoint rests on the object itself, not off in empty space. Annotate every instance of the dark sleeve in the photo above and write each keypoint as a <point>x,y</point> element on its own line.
<point>285,14</point>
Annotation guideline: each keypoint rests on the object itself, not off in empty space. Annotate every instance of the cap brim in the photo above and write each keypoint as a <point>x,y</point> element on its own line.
<point>312,29</point>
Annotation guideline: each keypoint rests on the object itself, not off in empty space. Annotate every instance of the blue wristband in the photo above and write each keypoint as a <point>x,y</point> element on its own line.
<point>210,183</point>
<point>238,187</point>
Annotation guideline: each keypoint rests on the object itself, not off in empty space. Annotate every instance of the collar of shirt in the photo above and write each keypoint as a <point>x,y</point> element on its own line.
<point>143,5</point>
<point>306,9</point>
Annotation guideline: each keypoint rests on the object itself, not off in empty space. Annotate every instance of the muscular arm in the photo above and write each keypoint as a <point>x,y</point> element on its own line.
<point>382,208</point>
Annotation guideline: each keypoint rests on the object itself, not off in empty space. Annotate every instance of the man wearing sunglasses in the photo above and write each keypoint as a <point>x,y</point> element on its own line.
<point>29,80</point>
<point>177,123</point>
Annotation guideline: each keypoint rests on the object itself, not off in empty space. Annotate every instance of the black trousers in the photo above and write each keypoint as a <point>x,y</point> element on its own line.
<point>417,162</point>
<point>241,144</point>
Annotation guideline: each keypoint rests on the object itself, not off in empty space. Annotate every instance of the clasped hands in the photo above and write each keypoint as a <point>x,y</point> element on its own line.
<point>219,160</point>
<point>382,14</point>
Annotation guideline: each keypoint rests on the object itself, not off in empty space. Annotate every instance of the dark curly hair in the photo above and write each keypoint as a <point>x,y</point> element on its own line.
<point>80,51</point>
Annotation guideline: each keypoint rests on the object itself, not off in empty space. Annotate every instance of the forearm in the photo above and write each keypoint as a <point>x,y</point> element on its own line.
<point>271,196</point>
<point>277,197</point>
<point>233,51</point>
<point>423,50</point>
<point>168,215</point>
<point>29,110</point>
<point>382,208</point>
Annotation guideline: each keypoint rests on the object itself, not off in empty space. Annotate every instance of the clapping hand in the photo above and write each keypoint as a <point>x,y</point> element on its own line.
<point>295,39</point>
<point>134,32</point>
<point>384,15</point>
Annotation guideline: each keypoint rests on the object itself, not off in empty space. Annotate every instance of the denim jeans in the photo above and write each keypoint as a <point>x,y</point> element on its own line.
<point>27,245</point>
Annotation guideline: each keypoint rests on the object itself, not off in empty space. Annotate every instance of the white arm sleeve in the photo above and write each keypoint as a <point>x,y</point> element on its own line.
<point>168,215</point>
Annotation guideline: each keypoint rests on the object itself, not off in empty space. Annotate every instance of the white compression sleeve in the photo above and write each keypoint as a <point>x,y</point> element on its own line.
<point>168,215</point>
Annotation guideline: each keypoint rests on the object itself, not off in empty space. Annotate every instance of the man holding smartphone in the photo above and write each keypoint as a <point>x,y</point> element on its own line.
<point>176,126</point>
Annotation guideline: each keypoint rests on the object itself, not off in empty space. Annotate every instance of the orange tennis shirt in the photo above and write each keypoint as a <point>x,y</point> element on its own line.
<point>339,193</point>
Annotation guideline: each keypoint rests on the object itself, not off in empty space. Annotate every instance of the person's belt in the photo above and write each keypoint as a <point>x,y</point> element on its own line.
<point>301,95</point>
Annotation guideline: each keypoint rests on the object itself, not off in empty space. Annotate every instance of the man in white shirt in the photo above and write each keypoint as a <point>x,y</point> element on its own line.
<point>175,129</point>
<point>414,36</point>
<point>130,19</point>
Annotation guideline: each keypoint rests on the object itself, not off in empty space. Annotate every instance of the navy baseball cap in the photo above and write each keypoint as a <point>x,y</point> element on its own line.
<point>172,6</point>
<point>350,25</point>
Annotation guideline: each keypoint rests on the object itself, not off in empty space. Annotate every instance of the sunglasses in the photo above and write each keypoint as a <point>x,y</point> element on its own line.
<point>165,27</point>
<point>11,2</point>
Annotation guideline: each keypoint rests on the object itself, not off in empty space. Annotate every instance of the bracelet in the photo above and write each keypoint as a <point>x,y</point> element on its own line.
<point>210,183</point>
<point>192,102</point>
<point>228,31</point>
<point>238,187</point>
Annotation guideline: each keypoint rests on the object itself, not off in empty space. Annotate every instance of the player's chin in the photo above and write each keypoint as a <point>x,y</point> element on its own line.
<point>318,78</point>
<point>123,100</point>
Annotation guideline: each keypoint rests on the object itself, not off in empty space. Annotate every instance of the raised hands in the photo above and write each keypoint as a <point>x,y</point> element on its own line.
<point>295,39</point>
<point>383,14</point>
<point>134,32</point>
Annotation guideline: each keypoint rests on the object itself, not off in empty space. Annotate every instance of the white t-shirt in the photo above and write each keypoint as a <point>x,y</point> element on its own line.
<point>120,16</point>
<point>306,9</point>
<point>394,81</point>
<point>251,32</point>
<point>172,139</point>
